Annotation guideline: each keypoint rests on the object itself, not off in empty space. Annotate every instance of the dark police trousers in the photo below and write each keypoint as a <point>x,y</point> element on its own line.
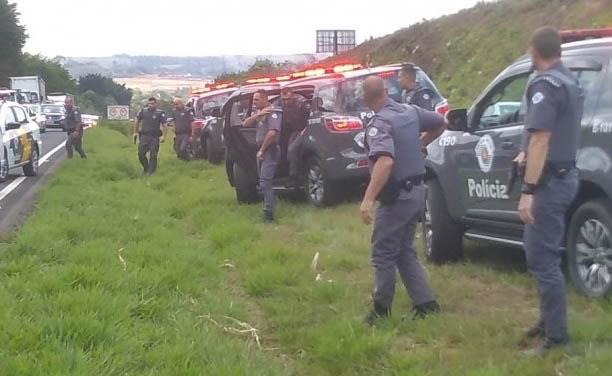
<point>293,152</point>
<point>392,248</point>
<point>148,144</point>
<point>543,251</point>
<point>181,145</point>
<point>267,169</point>
<point>75,142</point>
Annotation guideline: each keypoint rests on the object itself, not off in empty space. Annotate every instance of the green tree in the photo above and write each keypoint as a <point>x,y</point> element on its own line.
<point>12,38</point>
<point>56,77</point>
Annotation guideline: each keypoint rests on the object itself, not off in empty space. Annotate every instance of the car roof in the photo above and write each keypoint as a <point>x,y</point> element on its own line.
<point>216,92</point>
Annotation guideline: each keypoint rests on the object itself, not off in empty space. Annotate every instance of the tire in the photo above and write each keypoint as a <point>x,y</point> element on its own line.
<point>31,169</point>
<point>589,249</point>
<point>4,167</point>
<point>318,188</point>
<point>442,236</point>
<point>211,154</point>
<point>246,189</point>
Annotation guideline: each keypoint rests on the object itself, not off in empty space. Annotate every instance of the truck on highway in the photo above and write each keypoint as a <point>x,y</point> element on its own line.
<point>59,97</point>
<point>32,87</point>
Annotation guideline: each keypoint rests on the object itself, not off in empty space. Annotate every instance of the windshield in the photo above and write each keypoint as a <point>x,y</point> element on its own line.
<point>352,89</point>
<point>34,109</point>
<point>206,104</point>
<point>53,109</point>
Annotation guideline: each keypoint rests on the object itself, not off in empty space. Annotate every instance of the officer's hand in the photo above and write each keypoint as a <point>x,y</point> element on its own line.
<point>162,139</point>
<point>264,112</point>
<point>526,209</point>
<point>520,159</point>
<point>366,211</point>
<point>260,155</point>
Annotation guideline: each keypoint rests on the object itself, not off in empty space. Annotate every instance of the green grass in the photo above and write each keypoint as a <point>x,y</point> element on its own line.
<point>70,306</point>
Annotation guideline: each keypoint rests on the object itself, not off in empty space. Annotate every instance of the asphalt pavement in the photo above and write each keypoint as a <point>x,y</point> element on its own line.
<point>18,193</point>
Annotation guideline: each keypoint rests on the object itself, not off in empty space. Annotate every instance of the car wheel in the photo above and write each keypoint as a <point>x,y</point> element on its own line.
<point>442,236</point>
<point>211,154</point>
<point>317,186</point>
<point>4,168</point>
<point>31,169</point>
<point>246,189</point>
<point>589,248</point>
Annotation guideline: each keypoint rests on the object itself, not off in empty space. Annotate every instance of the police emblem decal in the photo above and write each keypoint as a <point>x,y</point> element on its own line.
<point>485,151</point>
<point>373,132</point>
<point>274,116</point>
<point>537,98</point>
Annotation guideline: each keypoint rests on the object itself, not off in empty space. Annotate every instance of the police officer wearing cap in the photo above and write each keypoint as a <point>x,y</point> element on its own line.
<point>413,92</point>
<point>397,169</point>
<point>553,118</point>
<point>183,117</point>
<point>268,120</point>
<point>150,128</point>
<point>74,128</point>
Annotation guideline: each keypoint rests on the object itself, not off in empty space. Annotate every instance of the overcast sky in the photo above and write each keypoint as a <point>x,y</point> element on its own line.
<point>200,27</point>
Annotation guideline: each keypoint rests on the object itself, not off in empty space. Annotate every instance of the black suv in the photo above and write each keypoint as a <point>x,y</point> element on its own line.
<point>469,169</point>
<point>332,156</point>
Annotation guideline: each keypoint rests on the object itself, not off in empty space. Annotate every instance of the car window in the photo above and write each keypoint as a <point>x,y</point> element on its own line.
<point>589,81</point>
<point>504,103</point>
<point>10,117</point>
<point>328,96</point>
<point>20,115</point>
<point>53,109</point>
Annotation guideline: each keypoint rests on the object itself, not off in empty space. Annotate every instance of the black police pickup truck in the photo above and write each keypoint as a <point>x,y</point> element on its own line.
<point>332,158</point>
<point>469,169</point>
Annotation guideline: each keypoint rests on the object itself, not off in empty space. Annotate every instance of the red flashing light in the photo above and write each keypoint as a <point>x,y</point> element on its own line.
<point>283,78</point>
<point>314,72</point>
<point>223,85</point>
<point>300,74</point>
<point>346,68</point>
<point>388,74</point>
<point>582,34</point>
<point>342,124</point>
<point>262,80</point>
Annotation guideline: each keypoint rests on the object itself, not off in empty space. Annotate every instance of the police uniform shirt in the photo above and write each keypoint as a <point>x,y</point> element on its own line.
<point>551,107</point>
<point>271,121</point>
<point>394,132</point>
<point>151,122</point>
<point>420,96</point>
<point>183,120</point>
<point>72,122</point>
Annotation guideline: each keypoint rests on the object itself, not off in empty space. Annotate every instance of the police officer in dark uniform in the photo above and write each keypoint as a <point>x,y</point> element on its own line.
<point>397,170</point>
<point>73,126</point>
<point>296,111</point>
<point>553,118</point>
<point>268,120</point>
<point>413,92</point>
<point>183,117</point>
<point>150,128</point>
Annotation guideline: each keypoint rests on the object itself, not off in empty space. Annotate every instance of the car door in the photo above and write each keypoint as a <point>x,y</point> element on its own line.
<point>10,137</point>
<point>20,138</point>
<point>484,156</point>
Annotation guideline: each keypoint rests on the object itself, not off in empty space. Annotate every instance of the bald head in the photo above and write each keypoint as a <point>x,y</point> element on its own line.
<point>68,102</point>
<point>374,92</point>
<point>178,103</point>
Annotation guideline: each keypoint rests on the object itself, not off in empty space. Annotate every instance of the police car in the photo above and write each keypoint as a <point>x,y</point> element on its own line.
<point>469,170</point>
<point>208,126</point>
<point>21,142</point>
<point>332,158</point>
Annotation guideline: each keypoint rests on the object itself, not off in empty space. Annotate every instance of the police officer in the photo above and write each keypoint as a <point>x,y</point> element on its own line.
<point>150,128</point>
<point>397,169</point>
<point>74,128</point>
<point>183,117</point>
<point>413,92</point>
<point>554,113</point>
<point>296,111</point>
<point>268,120</point>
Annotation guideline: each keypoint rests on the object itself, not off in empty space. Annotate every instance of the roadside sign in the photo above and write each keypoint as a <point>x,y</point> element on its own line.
<point>118,112</point>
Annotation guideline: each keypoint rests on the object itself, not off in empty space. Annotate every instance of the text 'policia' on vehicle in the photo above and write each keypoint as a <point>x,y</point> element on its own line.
<point>469,168</point>
<point>331,159</point>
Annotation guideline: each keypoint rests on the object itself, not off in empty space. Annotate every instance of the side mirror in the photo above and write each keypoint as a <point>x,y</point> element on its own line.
<point>216,112</point>
<point>11,126</point>
<point>457,120</point>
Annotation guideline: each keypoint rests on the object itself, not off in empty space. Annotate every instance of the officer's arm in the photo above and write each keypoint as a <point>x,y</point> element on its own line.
<point>137,123</point>
<point>540,122</point>
<point>274,126</point>
<point>270,139</point>
<point>380,174</point>
<point>163,125</point>
<point>432,125</point>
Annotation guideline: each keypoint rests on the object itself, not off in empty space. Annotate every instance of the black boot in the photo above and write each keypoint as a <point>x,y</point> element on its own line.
<point>377,312</point>
<point>423,310</point>
<point>268,217</point>
<point>535,331</point>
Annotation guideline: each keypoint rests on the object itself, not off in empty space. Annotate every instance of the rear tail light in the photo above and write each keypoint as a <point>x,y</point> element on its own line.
<point>442,108</point>
<point>197,124</point>
<point>341,124</point>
